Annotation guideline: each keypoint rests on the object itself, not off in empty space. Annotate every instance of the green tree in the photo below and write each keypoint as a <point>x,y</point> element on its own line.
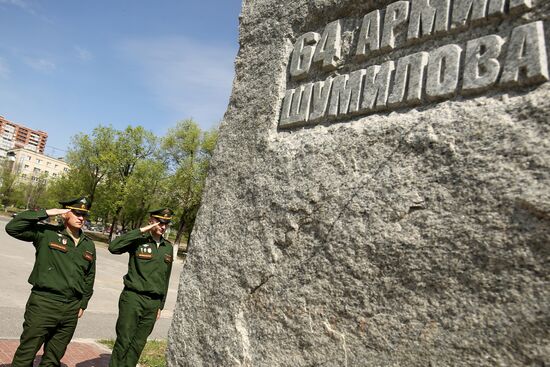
<point>91,158</point>
<point>102,165</point>
<point>131,146</point>
<point>142,191</point>
<point>34,191</point>
<point>65,186</point>
<point>9,176</point>
<point>188,151</point>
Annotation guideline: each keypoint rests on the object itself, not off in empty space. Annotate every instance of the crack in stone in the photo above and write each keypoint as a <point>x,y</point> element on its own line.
<point>253,290</point>
<point>324,243</point>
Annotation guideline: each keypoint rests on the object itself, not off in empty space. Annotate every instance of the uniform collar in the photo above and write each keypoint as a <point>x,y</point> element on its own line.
<point>65,232</point>
<point>150,236</point>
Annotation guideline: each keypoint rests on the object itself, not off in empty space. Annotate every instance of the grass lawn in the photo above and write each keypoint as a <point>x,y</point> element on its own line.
<point>152,355</point>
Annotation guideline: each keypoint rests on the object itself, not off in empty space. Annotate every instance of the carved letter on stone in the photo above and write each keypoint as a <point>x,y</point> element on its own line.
<point>346,92</point>
<point>496,7</point>
<point>481,66</point>
<point>302,55</point>
<point>409,75</point>
<point>369,36</point>
<point>300,106</point>
<point>321,94</point>
<point>424,14</point>
<point>442,72</point>
<point>520,5</point>
<point>338,89</point>
<point>396,14</point>
<point>299,109</point>
<point>377,85</point>
<point>285,111</point>
<point>464,9</point>
<point>353,93</point>
<point>526,60</point>
<point>328,50</point>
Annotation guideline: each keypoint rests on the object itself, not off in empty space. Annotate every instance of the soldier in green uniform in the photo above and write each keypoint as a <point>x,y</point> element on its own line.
<point>145,286</point>
<point>62,280</point>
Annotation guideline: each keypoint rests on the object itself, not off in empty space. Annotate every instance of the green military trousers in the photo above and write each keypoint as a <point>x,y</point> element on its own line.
<point>137,314</point>
<point>49,322</point>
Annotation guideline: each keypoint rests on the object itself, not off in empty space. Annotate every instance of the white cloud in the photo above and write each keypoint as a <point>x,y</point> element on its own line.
<point>19,3</point>
<point>40,64</point>
<point>82,53</point>
<point>190,78</point>
<point>25,5</point>
<point>4,69</point>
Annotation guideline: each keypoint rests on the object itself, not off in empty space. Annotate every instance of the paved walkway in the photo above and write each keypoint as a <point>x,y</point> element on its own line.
<point>80,353</point>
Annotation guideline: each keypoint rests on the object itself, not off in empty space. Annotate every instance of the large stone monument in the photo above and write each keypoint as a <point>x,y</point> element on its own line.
<point>380,192</point>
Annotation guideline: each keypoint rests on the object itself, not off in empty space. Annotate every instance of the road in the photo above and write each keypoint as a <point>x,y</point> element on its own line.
<point>99,319</point>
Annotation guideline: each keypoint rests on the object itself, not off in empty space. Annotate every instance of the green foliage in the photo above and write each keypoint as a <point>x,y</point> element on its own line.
<point>141,191</point>
<point>91,159</point>
<point>188,152</point>
<point>109,343</point>
<point>153,355</point>
<point>125,173</point>
<point>8,184</point>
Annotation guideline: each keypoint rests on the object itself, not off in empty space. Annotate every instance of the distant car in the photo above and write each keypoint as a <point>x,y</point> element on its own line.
<point>96,228</point>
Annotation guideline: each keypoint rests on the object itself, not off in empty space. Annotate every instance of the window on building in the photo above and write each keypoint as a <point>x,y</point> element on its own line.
<point>48,163</point>
<point>26,166</point>
<point>38,161</point>
<point>65,169</point>
<point>36,170</point>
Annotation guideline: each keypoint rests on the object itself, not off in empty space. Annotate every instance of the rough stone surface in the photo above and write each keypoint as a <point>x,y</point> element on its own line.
<point>417,237</point>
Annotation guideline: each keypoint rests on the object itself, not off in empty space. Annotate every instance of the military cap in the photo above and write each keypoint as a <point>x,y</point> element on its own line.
<point>164,215</point>
<point>80,205</point>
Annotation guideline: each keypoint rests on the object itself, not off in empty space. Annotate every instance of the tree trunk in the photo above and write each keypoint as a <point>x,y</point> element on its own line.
<point>181,229</point>
<point>115,217</point>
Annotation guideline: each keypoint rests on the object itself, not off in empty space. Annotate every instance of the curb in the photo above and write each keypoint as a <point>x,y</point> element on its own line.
<point>103,348</point>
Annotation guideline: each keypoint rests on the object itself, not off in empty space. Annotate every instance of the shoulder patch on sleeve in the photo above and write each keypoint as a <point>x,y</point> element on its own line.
<point>88,256</point>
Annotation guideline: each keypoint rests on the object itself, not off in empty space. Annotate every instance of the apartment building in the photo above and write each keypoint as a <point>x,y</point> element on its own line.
<point>13,136</point>
<point>33,166</point>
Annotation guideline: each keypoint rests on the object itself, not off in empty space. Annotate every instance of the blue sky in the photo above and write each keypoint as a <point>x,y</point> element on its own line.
<point>67,66</point>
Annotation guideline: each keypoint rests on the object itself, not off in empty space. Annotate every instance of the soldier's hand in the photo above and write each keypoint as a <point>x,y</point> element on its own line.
<point>158,314</point>
<point>148,227</point>
<point>54,212</point>
<point>80,313</point>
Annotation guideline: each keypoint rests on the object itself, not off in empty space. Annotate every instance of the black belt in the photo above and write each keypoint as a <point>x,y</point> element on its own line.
<point>54,296</point>
<point>153,296</point>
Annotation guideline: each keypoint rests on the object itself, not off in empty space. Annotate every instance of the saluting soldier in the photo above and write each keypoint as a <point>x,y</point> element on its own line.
<point>62,279</point>
<point>145,286</point>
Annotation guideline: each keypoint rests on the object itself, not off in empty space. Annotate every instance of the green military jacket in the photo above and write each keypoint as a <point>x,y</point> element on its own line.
<point>149,267</point>
<point>62,269</point>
